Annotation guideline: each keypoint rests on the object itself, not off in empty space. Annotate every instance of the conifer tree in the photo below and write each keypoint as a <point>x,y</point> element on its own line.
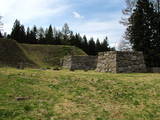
<point>22,34</point>
<point>41,35</point>
<point>140,29</point>
<point>72,39</point>
<point>59,38</point>
<point>98,46</point>
<point>18,32</point>
<point>104,45</point>
<point>78,40</point>
<point>85,44</point>
<point>66,32</point>
<point>49,35</point>
<point>1,36</point>
<point>91,47</point>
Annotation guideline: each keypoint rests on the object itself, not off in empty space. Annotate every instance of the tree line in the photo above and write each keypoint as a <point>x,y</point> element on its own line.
<point>143,28</point>
<point>52,36</point>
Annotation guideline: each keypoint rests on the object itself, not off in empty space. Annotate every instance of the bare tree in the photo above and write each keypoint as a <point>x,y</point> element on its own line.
<point>130,4</point>
<point>1,24</point>
<point>124,45</point>
<point>157,5</point>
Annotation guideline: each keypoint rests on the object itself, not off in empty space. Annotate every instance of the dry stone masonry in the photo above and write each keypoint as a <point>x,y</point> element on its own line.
<point>107,62</point>
<point>113,61</point>
<point>121,62</point>
<point>80,62</point>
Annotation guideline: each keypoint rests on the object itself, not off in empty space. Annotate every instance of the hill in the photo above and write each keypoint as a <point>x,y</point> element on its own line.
<point>13,54</point>
<point>49,55</point>
<point>63,95</point>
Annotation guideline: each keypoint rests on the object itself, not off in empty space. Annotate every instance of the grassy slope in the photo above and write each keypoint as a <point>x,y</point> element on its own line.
<point>49,55</point>
<point>11,54</point>
<point>64,95</point>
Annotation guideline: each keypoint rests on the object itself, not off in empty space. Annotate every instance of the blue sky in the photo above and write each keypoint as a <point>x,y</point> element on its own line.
<point>95,18</point>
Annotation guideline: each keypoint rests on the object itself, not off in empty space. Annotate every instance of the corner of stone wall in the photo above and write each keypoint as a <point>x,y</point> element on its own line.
<point>107,62</point>
<point>67,62</point>
<point>130,62</point>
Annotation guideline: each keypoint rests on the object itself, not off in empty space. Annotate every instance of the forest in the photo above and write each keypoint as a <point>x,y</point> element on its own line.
<point>52,36</point>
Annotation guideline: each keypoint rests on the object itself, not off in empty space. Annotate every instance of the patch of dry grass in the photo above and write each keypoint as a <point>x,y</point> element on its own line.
<point>79,95</point>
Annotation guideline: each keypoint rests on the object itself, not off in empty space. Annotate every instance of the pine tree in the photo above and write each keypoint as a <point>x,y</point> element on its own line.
<point>78,40</point>
<point>55,40</point>
<point>28,36</point>
<point>18,32</point>
<point>156,35</point>
<point>1,36</point>
<point>66,32</point>
<point>91,47</point>
<point>54,32</point>
<point>34,34</point>
<point>22,34</point>
<point>156,25</point>
<point>104,45</point>
<point>31,35</point>
<point>98,46</point>
<point>49,35</point>
<point>72,39</point>
<point>85,44</point>
<point>41,35</point>
<point>59,37</point>
<point>140,29</point>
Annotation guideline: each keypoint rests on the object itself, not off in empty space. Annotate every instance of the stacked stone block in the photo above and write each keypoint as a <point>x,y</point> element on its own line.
<point>107,62</point>
<point>121,62</point>
<point>80,62</point>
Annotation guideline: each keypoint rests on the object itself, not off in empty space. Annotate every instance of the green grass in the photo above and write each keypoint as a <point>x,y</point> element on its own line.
<point>49,55</point>
<point>79,95</point>
<point>13,54</point>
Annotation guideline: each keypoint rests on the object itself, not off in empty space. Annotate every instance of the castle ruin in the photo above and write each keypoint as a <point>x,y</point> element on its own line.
<point>112,61</point>
<point>80,62</point>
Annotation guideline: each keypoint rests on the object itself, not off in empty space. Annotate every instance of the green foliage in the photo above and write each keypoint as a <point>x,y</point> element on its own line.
<point>143,31</point>
<point>51,36</point>
<point>91,47</point>
<point>18,32</point>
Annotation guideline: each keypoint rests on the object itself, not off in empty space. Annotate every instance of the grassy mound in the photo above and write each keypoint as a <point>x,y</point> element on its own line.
<point>49,55</point>
<point>13,54</point>
<point>65,95</point>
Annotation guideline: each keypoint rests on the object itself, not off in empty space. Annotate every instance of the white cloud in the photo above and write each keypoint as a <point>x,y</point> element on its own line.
<point>102,26</point>
<point>98,29</point>
<point>29,10</point>
<point>77,15</point>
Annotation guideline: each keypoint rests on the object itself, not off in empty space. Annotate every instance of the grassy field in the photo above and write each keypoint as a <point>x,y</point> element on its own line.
<point>79,95</point>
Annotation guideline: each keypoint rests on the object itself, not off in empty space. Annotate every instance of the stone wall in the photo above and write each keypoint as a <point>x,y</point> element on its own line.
<point>121,62</point>
<point>80,62</point>
<point>106,62</point>
<point>153,70</point>
<point>66,62</point>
